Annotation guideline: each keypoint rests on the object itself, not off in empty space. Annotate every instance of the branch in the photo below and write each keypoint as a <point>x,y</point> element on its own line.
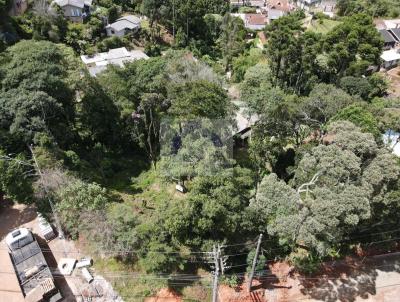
<point>305,187</point>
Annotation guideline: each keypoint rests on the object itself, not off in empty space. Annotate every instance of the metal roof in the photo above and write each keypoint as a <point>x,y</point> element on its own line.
<point>387,37</point>
<point>76,3</point>
<point>28,257</point>
<point>127,22</point>
<point>396,33</point>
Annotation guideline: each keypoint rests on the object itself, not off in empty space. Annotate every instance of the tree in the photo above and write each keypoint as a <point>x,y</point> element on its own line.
<point>36,96</point>
<point>76,199</point>
<point>214,211</point>
<point>322,104</point>
<point>361,117</point>
<point>198,99</point>
<point>16,179</point>
<point>353,46</point>
<point>292,54</point>
<point>232,39</point>
<point>196,148</point>
<point>112,231</point>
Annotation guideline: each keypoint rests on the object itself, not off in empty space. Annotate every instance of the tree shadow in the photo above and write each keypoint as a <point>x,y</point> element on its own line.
<point>13,217</point>
<point>346,280</point>
<point>59,279</point>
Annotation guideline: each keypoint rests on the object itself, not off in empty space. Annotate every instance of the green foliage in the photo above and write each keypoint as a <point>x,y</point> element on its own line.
<point>378,8</point>
<point>198,99</point>
<point>353,46</point>
<point>325,200</point>
<point>359,116</point>
<point>198,148</point>
<point>366,88</point>
<point>242,63</point>
<point>291,53</point>
<point>214,211</point>
<point>261,262</point>
<point>305,261</point>
<point>231,41</point>
<point>15,181</point>
<point>77,198</point>
<point>35,96</point>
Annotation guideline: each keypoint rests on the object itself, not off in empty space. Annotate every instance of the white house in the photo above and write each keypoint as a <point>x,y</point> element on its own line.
<point>277,9</point>
<point>255,21</point>
<point>390,58</point>
<point>75,10</point>
<point>117,56</point>
<point>123,26</point>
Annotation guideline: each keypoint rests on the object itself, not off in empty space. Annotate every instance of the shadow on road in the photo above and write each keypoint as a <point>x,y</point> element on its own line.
<point>347,280</point>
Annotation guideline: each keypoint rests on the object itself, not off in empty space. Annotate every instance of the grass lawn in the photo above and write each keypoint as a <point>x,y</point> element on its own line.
<point>322,28</point>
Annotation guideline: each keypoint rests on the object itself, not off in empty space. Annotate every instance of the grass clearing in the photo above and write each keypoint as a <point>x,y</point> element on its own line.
<point>322,26</point>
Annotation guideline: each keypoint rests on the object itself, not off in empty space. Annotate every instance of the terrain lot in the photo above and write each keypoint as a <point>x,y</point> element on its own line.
<point>375,279</point>
<point>73,287</point>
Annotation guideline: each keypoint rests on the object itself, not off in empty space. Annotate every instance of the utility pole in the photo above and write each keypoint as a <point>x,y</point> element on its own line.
<point>173,19</point>
<point>216,253</point>
<point>255,262</point>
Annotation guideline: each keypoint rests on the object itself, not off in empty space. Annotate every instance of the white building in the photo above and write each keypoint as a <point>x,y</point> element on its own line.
<point>277,9</point>
<point>75,10</point>
<point>392,140</point>
<point>118,56</point>
<point>390,58</point>
<point>123,26</point>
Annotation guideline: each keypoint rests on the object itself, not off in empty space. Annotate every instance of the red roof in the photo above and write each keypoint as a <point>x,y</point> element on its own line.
<point>282,5</point>
<point>256,19</point>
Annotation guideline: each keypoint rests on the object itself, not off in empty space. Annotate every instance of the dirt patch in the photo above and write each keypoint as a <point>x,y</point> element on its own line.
<point>165,295</point>
<point>393,75</point>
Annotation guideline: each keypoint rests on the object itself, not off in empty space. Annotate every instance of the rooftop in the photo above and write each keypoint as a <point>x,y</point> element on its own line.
<point>396,33</point>
<point>117,56</point>
<point>76,3</point>
<point>390,55</point>
<point>282,5</point>
<point>256,19</point>
<point>386,35</point>
<point>129,22</point>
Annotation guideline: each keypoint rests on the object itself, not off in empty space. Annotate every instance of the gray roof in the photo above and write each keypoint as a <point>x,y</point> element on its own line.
<point>396,33</point>
<point>76,3</point>
<point>387,37</point>
<point>129,22</point>
<point>25,258</point>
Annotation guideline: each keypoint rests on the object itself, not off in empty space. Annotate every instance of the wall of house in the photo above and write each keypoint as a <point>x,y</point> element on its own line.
<point>111,32</point>
<point>391,64</point>
<point>274,14</point>
<point>73,13</point>
<point>255,27</point>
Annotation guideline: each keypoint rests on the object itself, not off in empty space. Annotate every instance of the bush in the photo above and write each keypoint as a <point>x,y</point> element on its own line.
<point>77,198</point>
<point>305,261</point>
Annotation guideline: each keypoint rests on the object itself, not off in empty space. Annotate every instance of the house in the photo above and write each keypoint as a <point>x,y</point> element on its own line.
<point>390,58</point>
<point>18,7</point>
<point>328,8</point>
<point>393,23</point>
<point>119,56</point>
<point>123,26</point>
<point>75,10</point>
<point>389,40</point>
<point>255,21</point>
<point>277,9</point>
<point>249,3</point>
